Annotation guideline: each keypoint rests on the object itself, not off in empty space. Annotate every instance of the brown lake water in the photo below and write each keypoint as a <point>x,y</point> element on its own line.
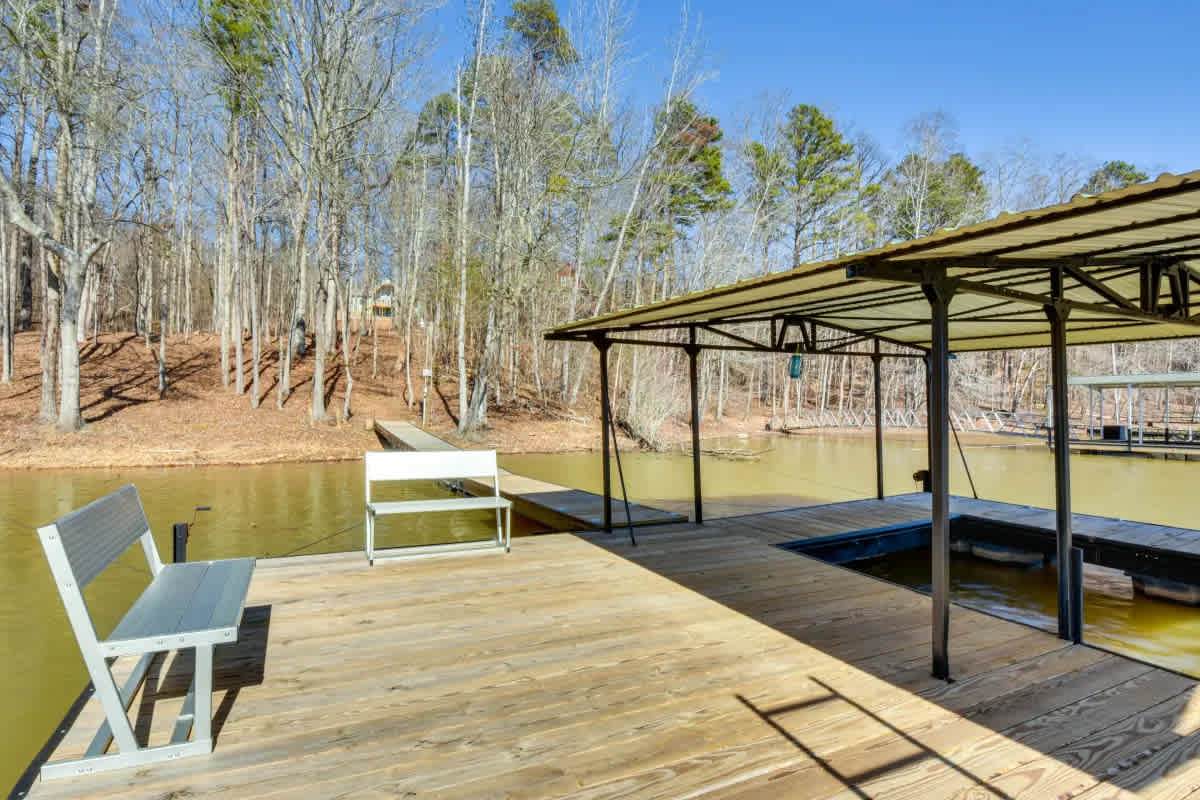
<point>276,510</point>
<point>269,510</point>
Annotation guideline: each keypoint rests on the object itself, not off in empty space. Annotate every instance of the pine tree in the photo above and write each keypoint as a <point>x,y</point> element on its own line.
<point>819,170</point>
<point>1113,175</point>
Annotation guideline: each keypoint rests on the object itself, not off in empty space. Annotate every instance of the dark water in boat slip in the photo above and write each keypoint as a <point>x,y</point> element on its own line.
<point>313,508</point>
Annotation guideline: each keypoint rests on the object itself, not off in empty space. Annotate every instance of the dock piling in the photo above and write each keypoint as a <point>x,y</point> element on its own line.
<point>1077,595</point>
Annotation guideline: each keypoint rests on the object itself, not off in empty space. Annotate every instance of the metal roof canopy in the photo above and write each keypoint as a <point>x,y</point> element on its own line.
<point>1117,264</point>
<point>1149,381</point>
<point>1109,268</point>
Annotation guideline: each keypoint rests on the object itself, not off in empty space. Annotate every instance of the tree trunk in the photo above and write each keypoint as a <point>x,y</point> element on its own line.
<point>162,345</point>
<point>722,376</point>
<point>229,243</point>
<point>319,348</point>
<point>346,357</point>
<point>237,332</point>
<point>476,417</point>
<point>256,329</point>
<point>7,316</point>
<point>321,345</point>
<point>69,418</point>
<point>25,268</point>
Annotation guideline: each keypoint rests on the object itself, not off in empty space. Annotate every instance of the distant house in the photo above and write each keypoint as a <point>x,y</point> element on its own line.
<point>379,302</point>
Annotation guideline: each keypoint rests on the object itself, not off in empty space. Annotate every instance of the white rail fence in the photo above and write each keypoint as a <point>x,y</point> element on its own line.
<point>988,421</point>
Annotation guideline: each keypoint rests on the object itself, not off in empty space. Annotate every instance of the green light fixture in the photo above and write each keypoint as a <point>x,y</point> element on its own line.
<point>796,366</point>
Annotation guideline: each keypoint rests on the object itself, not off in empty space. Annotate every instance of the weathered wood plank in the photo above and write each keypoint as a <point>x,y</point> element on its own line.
<point>703,662</point>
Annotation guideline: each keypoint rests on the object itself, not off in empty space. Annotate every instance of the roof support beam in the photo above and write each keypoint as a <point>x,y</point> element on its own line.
<point>1100,288</point>
<point>1150,281</point>
<point>732,336</point>
<point>785,348</point>
<point>888,272</point>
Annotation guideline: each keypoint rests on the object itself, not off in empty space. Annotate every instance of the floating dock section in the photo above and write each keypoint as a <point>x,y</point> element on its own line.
<point>557,507</point>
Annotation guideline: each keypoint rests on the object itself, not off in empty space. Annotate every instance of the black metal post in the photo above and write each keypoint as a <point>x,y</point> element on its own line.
<point>939,294</point>
<point>1167,415</point>
<point>602,345</point>
<point>876,359</point>
<point>179,550</point>
<point>1141,416</point>
<point>928,416</point>
<point>693,351</point>
<point>1129,418</point>
<point>1077,595</point>
<point>1057,315</point>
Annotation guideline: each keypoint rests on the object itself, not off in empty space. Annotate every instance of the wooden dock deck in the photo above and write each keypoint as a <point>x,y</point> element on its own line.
<point>559,508</point>
<point>702,663</point>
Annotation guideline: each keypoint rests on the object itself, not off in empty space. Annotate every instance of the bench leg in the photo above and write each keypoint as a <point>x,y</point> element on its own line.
<point>196,715</point>
<point>499,530</point>
<point>508,529</point>
<point>202,727</point>
<point>370,537</point>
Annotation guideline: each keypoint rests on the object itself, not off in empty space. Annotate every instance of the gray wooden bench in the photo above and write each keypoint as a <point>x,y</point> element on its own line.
<point>442,465</point>
<point>193,605</point>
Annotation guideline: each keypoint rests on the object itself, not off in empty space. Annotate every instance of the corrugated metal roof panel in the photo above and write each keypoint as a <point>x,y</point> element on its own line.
<point>1004,254</point>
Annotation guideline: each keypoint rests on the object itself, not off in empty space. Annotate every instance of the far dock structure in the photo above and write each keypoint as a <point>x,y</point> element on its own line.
<point>1114,267</point>
<point>558,507</point>
<point>1167,437</point>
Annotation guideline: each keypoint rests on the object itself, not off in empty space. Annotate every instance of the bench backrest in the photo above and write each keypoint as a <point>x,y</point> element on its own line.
<point>416,465</point>
<point>96,535</point>
<point>82,544</point>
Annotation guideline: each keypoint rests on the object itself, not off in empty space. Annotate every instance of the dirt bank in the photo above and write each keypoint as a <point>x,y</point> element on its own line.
<point>199,422</point>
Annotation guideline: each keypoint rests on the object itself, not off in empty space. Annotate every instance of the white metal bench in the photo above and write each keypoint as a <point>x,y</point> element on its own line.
<point>392,465</point>
<point>197,604</point>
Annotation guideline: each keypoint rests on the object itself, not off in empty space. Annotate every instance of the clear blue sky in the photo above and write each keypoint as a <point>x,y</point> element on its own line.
<point>1102,80</point>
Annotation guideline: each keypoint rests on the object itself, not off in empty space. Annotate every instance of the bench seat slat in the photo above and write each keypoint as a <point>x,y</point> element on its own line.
<point>219,599</point>
<point>158,611</point>
<point>448,504</point>
<point>185,602</point>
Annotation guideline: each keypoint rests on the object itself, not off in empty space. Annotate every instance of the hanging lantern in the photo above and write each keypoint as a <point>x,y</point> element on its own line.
<point>796,366</point>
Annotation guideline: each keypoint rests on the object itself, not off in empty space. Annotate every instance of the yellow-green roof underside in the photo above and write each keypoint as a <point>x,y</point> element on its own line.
<point>1125,257</point>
